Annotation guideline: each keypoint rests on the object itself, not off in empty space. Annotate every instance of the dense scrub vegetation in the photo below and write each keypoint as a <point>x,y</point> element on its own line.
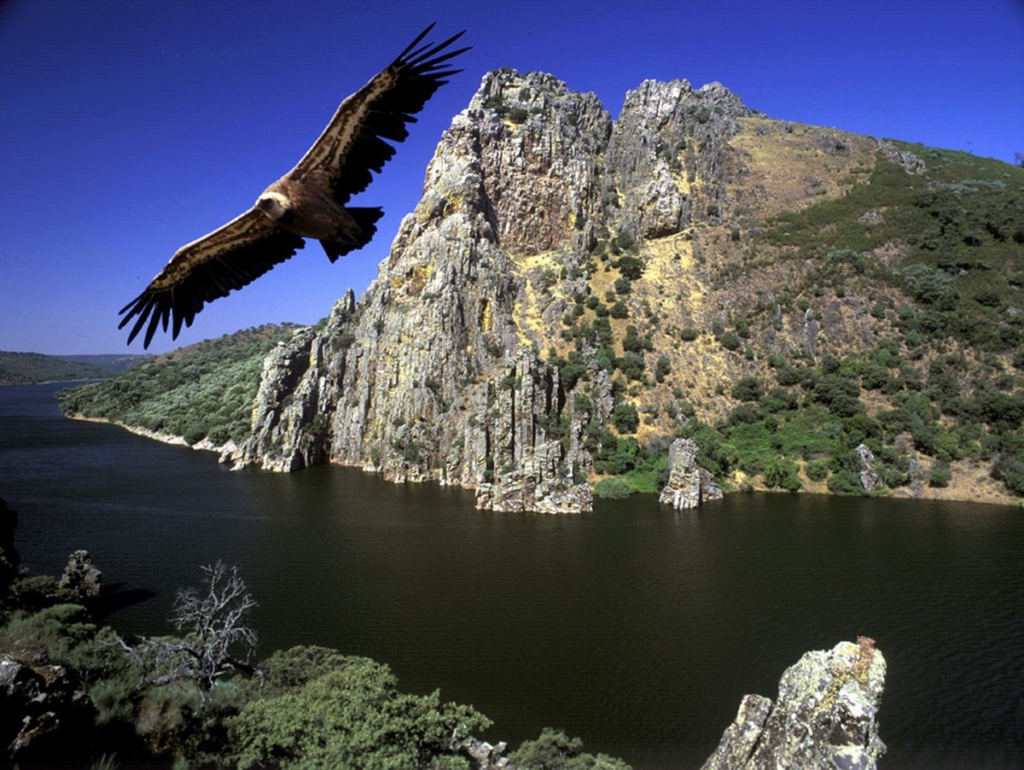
<point>202,391</point>
<point>804,422</point>
<point>146,701</point>
<point>964,233</point>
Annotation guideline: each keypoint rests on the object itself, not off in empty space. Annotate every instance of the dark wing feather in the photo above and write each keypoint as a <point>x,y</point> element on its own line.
<point>352,146</point>
<point>204,270</point>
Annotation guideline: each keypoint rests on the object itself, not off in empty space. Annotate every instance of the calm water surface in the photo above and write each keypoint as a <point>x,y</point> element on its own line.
<point>634,627</point>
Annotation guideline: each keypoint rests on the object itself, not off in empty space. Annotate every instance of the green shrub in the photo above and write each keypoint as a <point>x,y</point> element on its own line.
<point>1009,469</point>
<point>845,482</point>
<point>780,472</point>
<point>730,341</point>
<point>745,413</point>
<point>940,476</point>
<point>351,716</point>
<point>689,334</point>
<point>874,377</point>
<point>53,633</point>
<point>632,365</point>
<point>613,488</point>
<point>625,418</point>
<point>662,368</point>
<point>622,241</point>
<point>554,750</point>
<point>747,389</point>
<point>817,470</point>
<point>630,267</point>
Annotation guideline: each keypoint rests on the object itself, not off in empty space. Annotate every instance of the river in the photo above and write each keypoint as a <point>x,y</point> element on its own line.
<point>636,628</point>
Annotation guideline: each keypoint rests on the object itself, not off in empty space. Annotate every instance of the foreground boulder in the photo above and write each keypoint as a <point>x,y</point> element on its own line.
<point>825,715</point>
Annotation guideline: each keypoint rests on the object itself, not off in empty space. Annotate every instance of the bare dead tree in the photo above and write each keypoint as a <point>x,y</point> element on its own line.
<point>216,639</point>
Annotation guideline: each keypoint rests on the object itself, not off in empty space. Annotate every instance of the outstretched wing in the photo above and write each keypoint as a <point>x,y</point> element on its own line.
<point>204,270</point>
<point>352,146</point>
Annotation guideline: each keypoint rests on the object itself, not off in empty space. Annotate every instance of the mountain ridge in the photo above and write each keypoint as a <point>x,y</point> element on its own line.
<point>572,292</point>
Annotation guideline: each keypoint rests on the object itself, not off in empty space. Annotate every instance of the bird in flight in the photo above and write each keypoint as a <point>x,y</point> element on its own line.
<point>307,202</point>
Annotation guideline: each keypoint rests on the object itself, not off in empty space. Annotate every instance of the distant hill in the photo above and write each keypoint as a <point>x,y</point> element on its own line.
<point>32,368</point>
<point>115,362</point>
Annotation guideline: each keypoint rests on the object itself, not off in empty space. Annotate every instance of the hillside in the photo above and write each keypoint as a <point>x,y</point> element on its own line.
<point>818,310</point>
<point>203,391</point>
<point>31,368</point>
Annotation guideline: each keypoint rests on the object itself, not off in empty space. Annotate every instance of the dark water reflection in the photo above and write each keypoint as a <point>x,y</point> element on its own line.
<point>636,628</point>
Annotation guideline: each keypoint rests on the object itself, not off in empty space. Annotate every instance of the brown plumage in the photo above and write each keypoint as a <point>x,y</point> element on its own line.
<point>307,202</point>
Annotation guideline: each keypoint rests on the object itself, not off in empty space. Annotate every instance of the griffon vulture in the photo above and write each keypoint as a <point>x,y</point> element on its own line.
<point>307,202</point>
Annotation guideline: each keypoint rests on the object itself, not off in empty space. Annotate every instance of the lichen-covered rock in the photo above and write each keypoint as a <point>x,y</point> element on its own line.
<point>667,136</point>
<point>529,467</point>
<point>740,738</point>
<point>825,715</point>
<point>688,484</point>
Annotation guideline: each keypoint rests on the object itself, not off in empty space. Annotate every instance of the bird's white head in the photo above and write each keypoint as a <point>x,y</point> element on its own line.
<point>274,205</point>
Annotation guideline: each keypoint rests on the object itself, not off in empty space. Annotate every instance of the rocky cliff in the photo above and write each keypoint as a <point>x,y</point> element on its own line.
<point>437,372</point>
<point>569,284</point>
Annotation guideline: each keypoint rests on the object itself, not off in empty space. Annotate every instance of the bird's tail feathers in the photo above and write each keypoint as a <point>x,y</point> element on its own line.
<point>347,240</point>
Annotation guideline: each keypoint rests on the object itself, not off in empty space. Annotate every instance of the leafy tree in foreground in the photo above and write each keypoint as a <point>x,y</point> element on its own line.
<point>347,712</point>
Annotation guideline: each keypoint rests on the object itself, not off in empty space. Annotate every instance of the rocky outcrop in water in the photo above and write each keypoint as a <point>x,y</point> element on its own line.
<point>688,484</point>
<point>825,715</point>
<point>81,579</point>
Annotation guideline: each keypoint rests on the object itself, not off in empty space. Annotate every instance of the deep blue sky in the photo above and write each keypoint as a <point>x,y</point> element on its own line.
<point>130,127</point>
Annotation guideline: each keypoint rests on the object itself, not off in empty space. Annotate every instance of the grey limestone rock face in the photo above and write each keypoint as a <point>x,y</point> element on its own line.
<point>869,478</point>
<point>667,135</point>
<point>825,715</point>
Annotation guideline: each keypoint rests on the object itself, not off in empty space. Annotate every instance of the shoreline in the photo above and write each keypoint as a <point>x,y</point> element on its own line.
<point>971,483</point>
